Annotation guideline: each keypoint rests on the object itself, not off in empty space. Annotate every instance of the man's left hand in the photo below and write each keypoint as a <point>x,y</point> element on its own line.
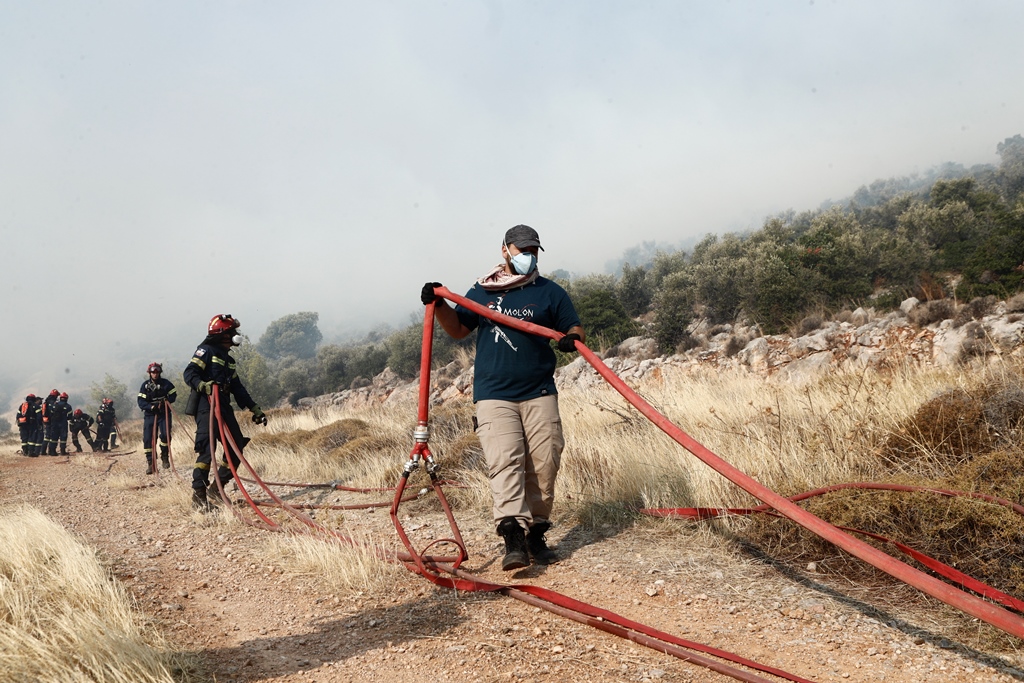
<point>258,416</point>
<point>567,344</point>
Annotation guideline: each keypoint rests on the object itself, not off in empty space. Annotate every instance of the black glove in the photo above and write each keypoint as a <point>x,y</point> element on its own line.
<point>567,344</point>
<point>427,295</point>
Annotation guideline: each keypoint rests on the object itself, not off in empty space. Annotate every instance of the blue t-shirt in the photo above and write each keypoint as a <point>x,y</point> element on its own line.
<point>513,365</point>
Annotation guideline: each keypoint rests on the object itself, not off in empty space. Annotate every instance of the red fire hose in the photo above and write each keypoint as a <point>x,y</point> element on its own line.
<point>445,571</point>
<point>936,566</point>
<point>975,606</point>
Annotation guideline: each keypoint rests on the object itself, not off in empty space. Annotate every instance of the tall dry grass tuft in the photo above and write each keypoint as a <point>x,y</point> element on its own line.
<point>788,438</point>
<point>337,565</point>
<point>64,619</point>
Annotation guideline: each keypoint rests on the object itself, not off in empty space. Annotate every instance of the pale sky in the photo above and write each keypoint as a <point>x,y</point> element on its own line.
<point>161,162</point>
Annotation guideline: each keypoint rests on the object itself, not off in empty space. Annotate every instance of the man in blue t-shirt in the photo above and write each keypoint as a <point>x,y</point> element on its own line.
<point>514,390</point>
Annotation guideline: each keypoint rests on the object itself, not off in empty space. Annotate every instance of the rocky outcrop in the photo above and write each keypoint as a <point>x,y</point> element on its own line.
<point>864,338</point>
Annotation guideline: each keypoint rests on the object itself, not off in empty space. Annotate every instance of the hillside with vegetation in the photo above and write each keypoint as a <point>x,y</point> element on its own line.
<point>880,288</point>
<point>954,233</point>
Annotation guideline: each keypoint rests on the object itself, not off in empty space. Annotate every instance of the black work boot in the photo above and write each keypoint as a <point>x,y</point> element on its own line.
<point>539,550</point>
<point>213,495</point>
<point>516,556</point>
<point>199,500</point>
<point>165,461</point>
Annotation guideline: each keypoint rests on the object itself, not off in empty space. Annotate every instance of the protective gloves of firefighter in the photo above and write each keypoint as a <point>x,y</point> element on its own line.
<point>205,387</point>
<point>258,416</point>
<point>567,344</point>
<point>427,295</point>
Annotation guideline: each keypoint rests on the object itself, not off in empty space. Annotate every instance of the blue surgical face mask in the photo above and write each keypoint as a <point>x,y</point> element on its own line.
<point>523,262</point>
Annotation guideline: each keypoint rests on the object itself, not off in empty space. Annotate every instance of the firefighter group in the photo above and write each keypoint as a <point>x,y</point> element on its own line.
<point>45,423</point>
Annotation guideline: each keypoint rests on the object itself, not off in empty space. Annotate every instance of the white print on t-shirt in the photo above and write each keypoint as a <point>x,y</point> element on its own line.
<point>498,332</point>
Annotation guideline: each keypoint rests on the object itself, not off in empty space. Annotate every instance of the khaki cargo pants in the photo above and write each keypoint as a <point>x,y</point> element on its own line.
<point>522,443</point>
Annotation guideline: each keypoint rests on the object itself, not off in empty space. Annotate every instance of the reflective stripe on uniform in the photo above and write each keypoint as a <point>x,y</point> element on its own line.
<point>219,361</point>
<point>198,361</point>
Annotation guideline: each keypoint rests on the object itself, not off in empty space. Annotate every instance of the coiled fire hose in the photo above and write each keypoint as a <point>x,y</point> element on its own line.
<point>434,568</point>
<point>445,570</point>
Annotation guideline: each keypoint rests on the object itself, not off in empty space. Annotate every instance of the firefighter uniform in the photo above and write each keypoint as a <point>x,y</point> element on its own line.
<point>27,426</point>
<point>154,394</point>
<point>49,425</point>
<point>105,425</point>
<point>59,422</point>
<point>80,423</point>
<point>212,363</point>
<point>39,433</point>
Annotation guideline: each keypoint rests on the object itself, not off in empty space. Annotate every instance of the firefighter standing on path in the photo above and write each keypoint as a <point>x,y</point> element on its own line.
<point>49,425</point>
<point>39,438</point>
<point>514,390</point>
<point>80,422</point>
<point>105,421</point>
<point>212,365</point>
<point>153,394</point>
<point>59,420</point>
<point>27,418</point>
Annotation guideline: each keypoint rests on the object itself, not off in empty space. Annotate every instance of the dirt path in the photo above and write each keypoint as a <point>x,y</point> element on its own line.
<point>207,583</point>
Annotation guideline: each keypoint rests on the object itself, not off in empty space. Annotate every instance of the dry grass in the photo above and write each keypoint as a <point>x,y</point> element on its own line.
<point>789,440</point>
<point>334,564</point>
<point>63,618</point>
<point>953,427</point>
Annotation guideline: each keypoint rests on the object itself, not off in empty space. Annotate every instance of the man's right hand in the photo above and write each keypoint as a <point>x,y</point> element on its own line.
<point>427,295</point>
<point>205,387</point>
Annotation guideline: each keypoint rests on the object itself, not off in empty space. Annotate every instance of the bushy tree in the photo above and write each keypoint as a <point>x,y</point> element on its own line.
<point>666,263</point>
<point>834,251</point>
<point>332,371</point>
<point>634,291</point>
<point>776,296</point>
<point>297,378</point>
<point>295,335</point>
<point>256,375</point>
<point>405,350</point>
<point>367,361</point>
<point>1011,170</point>
<point>603,318</point>
<point>673,311</point>
<point>115,390</point>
